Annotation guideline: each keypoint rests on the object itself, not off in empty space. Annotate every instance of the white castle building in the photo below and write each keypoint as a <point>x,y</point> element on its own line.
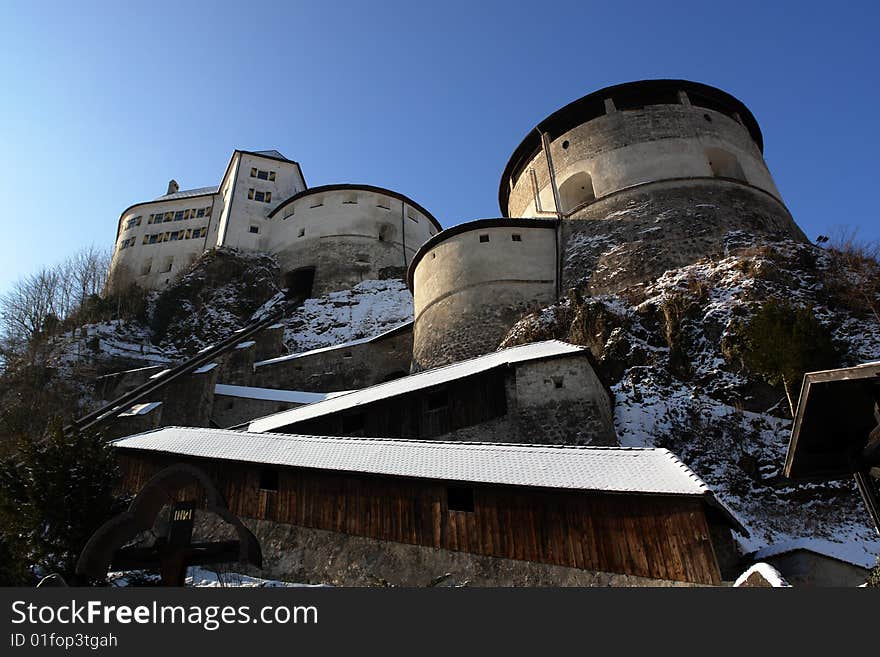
<point>326,238</point>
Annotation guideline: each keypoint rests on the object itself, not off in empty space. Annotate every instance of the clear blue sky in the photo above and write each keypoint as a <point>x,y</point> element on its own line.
<point>102,103</point>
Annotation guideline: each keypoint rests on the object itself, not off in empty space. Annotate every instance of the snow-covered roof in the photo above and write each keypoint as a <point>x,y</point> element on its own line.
<point>343,345</point>
<point>140,409</point>
<point>187,193</point>
<point>426,379</point>
<point>850,552</point>
<point>772,576</point>
<point>270,394</point>
<point>611,469</point>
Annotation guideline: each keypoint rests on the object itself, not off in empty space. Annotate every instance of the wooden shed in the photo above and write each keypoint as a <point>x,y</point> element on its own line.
<point>609,509</point>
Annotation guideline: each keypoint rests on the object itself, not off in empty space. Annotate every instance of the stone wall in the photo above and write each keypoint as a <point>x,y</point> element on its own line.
<point>636,235</point>
<point>625,148</point>
<point>346,367</point>
<point>562,401</point>
<point>314,556</point>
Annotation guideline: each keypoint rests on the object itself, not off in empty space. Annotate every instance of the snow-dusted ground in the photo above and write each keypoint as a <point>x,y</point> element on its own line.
<point>202,577</point>
<point>368,309</point>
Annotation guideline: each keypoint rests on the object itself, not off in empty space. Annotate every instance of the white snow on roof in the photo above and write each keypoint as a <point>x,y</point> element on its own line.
<point>426,379</point>
<point>343,345</point>
<point>270,394</point>
<point>849,551</point>
<point>768,572</point>
<point>205,368</point>
<point>613,469</point>
<point>140,409</point>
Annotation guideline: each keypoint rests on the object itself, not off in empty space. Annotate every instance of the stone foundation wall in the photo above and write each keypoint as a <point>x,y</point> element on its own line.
<point>313,556</point>
<point>347,367</point>
<point>636,235</point>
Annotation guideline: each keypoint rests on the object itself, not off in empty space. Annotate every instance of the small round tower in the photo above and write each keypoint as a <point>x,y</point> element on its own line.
<point>471,282</point>
<point>649,176</point>
<point>335,236</point>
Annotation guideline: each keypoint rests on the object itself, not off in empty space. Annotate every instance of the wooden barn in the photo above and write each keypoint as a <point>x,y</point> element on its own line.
<point>545,392</point>
<point>638,512</point>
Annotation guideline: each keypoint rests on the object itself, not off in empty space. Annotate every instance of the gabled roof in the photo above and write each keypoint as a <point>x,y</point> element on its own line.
<point>270,153</point>
<point>426,379</point>
<point>848,552</point>
<point>608,469</point>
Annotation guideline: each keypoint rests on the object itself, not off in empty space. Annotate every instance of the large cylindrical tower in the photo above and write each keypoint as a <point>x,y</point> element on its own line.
<point>649,175</point>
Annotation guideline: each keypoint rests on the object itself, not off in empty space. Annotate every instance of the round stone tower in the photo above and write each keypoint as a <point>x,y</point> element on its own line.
<point>648,176</point>
<point>609,191</point>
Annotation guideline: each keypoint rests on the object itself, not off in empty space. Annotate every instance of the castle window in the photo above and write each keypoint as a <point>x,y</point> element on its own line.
<point>271,176</point>
<point>383,203</point>
<point>200,212</point>
<point>207,211</point>
<point>302,232</point>
<point>169,216</point>
<point>412,216</point>
<point>460,498</point>
<point>565,144</point>
<point>174,236</point>
<point>262,175</point>
<point>169,263</point>
<point>724,164</point>
<point>255,229</point>
<point>146,267</point>
<point>188,234</point>
<point>516,237</point>
<point>433,255</point>
<point>178,216</point>
<point>576,191</point>
<point>350,199</point>
<point>269,480</point>
<point>253,172</point>
<point>484,238</point>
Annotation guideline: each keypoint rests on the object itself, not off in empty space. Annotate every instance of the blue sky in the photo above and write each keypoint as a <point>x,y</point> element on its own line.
<point>103,103</point>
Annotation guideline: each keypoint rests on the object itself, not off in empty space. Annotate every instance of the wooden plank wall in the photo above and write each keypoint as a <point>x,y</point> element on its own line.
<point>661,537</point>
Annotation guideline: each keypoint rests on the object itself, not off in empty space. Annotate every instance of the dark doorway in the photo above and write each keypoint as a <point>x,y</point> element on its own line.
<point>299,283</point>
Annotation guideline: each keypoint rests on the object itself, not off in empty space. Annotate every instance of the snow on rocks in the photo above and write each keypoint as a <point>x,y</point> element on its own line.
<point>369,308</point>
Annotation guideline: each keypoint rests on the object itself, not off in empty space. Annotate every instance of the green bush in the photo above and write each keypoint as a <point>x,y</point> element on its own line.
<point>781,342</point>
<point>54,493</point>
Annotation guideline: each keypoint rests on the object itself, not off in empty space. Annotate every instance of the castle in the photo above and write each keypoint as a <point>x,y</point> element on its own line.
<point>608,192</point>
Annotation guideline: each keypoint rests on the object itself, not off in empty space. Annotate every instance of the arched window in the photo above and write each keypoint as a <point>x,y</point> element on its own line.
<point>724,164</point>
<point>575,191</point>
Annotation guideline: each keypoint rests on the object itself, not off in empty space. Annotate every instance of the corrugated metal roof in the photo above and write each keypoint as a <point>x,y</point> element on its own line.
<point>609,469</point>
<point>187,193</point>
<point>271,394</point>
<point>426,379</point>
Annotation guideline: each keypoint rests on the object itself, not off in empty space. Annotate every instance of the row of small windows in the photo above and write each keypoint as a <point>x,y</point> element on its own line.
<point>516,237</point>
<point>175,235</point>
<point>178,215</point>
<point>384,203</point>
<point>131,222</point>
<point>263,197</point>
<point>262,175</point>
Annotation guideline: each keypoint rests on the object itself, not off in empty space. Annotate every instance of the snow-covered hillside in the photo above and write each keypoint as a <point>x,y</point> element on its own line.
<point>665,350</point>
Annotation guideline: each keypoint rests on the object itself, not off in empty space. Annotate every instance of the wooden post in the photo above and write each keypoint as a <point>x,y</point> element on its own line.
<point>868,488</point>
